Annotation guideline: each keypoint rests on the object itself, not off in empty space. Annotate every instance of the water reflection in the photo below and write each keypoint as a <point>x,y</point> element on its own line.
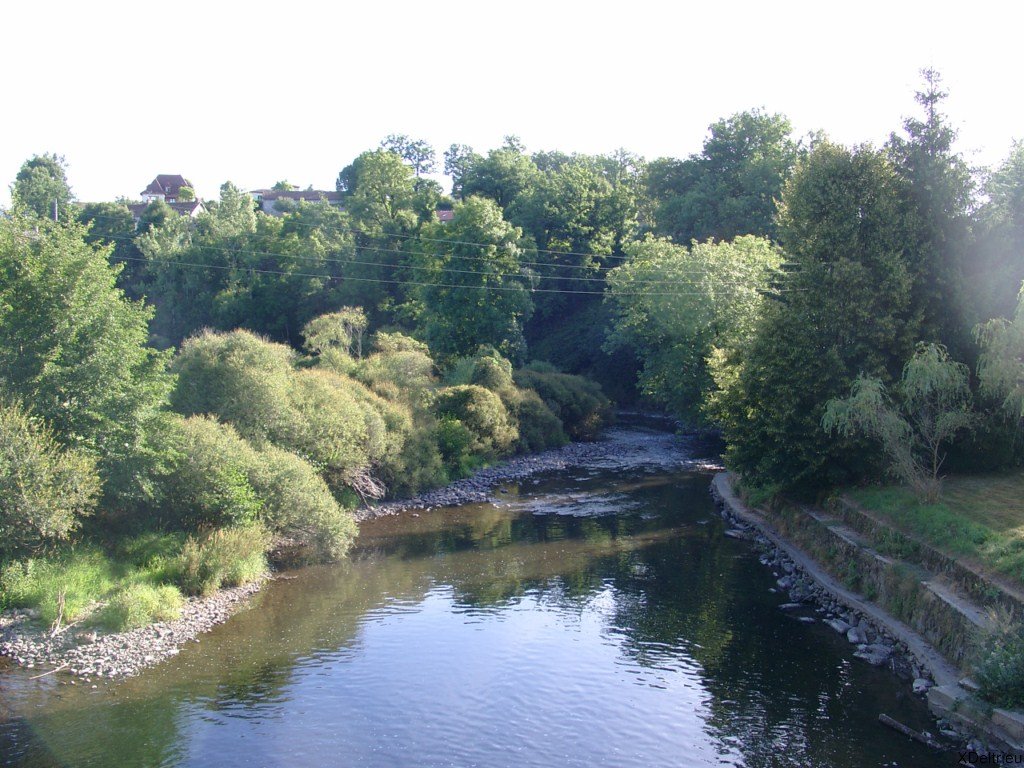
<point>594,618</point>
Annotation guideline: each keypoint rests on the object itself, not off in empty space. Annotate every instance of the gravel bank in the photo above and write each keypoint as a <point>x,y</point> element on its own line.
<point>478,487</point>
<point>90,654</point>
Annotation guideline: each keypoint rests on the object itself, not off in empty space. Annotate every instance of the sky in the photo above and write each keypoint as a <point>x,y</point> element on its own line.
<point>258,92</point>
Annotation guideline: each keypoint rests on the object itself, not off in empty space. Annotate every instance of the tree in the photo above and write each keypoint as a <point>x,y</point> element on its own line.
<point>1001,364</point>
<point>340,331</point>
<point>74,347</point>
<point>841,308</point>
<point>45,489</point>
<point>458,159</point>
<point>420,156</point>
<point>41,187</point>
<point>186,194</point>
<point>730,188</point>
<point>475,291</point>
<point>940,190</point>
<point>933,405</point>
<point>997,269</point>
<point>502,176</point>
<point>675,306</point>
<point>112,225</point>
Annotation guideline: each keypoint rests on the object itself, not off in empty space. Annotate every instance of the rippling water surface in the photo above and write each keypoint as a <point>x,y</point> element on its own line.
<point>594,617</point>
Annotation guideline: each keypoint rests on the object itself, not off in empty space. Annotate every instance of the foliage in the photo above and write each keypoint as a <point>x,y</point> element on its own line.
<point>475,290</point>
<point>64,586</point>
<point>298,505</point>
<point>240,378</point>
<point>939,190</point>
<point>996,270</point>
<point>141,604</point>
<point>577,402</point>
<point>492,433</point>
<point>841,308</point>
<point>676,306</point>
<point>207,484</point>
<point>732,186</point>
<point>539,427</point>
<point>41,188</point>
<point>416,152</point>
<point>1000,669</point>
<point>74,347</point>
<point>1001,364</point>
<point>226,557</point>
<point>340,331</point>
<point>44,490</point>
<point>933,407</point>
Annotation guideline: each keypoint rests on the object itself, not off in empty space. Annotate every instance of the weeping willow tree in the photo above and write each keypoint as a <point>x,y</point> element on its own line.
<point>1001,365</point>
<point>932,405</point>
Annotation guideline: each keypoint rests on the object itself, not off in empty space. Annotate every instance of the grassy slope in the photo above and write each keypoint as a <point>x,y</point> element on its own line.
<point>979,517</point>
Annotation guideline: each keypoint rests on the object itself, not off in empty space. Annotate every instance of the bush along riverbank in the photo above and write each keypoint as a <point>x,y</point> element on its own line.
<point>896,612</point>
<point>86,648</point>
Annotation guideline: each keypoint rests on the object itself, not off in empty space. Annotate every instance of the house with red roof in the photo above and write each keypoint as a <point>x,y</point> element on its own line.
<point>167,187</point>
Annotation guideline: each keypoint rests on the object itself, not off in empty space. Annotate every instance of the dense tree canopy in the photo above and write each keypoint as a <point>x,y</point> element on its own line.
<point>475,290</point>
<point>41,188</point>
<point>731,187</point>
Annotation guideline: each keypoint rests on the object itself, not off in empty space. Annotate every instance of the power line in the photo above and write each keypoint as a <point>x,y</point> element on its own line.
<point>343,278</point>
<point>461,242</point>
<point>443,269</point>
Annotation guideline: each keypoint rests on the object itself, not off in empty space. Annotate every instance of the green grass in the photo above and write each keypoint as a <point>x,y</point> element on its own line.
<point>137,581</point>
<point>980,518</point>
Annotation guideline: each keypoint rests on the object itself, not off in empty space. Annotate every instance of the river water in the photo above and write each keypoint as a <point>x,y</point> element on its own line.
<point>593,617</point>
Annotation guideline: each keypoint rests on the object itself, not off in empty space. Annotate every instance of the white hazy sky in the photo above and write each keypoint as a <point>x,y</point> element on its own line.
<point>256,92</point>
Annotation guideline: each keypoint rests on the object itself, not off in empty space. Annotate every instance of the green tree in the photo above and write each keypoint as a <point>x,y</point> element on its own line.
<point>41,187</point>
<point>940,191</point>
<point>420,156</point>
<point>45,490</point>
<point>112,225</point>
<point>1001,364</point>
<point>475,291</point>
<point>677,306</point>
<point>841,308</point>
<point>997,269</point>
<point>502,176</point>
<point>932,406</point>
<point>730,188</point>
<point>74,347</point>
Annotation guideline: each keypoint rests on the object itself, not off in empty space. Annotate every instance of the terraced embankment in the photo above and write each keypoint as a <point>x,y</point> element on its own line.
<point>934,606</point>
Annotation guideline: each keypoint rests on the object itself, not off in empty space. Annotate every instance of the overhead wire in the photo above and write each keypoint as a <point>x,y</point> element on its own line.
<point>444,269</point>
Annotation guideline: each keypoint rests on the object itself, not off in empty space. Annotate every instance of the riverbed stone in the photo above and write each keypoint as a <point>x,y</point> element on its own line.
<point>857,636</point>
<point>921,686</point>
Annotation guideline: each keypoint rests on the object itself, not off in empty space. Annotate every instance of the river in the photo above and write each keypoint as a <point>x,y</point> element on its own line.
<point>592,617</point>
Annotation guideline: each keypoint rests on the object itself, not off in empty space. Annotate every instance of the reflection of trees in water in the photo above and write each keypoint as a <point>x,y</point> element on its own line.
<point>678,593</point>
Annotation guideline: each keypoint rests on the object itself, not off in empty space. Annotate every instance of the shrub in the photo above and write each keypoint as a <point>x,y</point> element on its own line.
<point>44,490</point>
<point>539,428</point>
<point>454,440</point>
<point>1000,671</point>
<point>299,505</point>
<point>227,557</point>
<point>207,484</point>
<point>239,377</point>
<point>141,604</point>
<point>577,401</point>
<point>481,412</point>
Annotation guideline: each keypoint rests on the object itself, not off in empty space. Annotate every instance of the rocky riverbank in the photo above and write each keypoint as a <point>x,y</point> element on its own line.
<point>880,639</point>
<point>87,654</point>
<point>478,488</point>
